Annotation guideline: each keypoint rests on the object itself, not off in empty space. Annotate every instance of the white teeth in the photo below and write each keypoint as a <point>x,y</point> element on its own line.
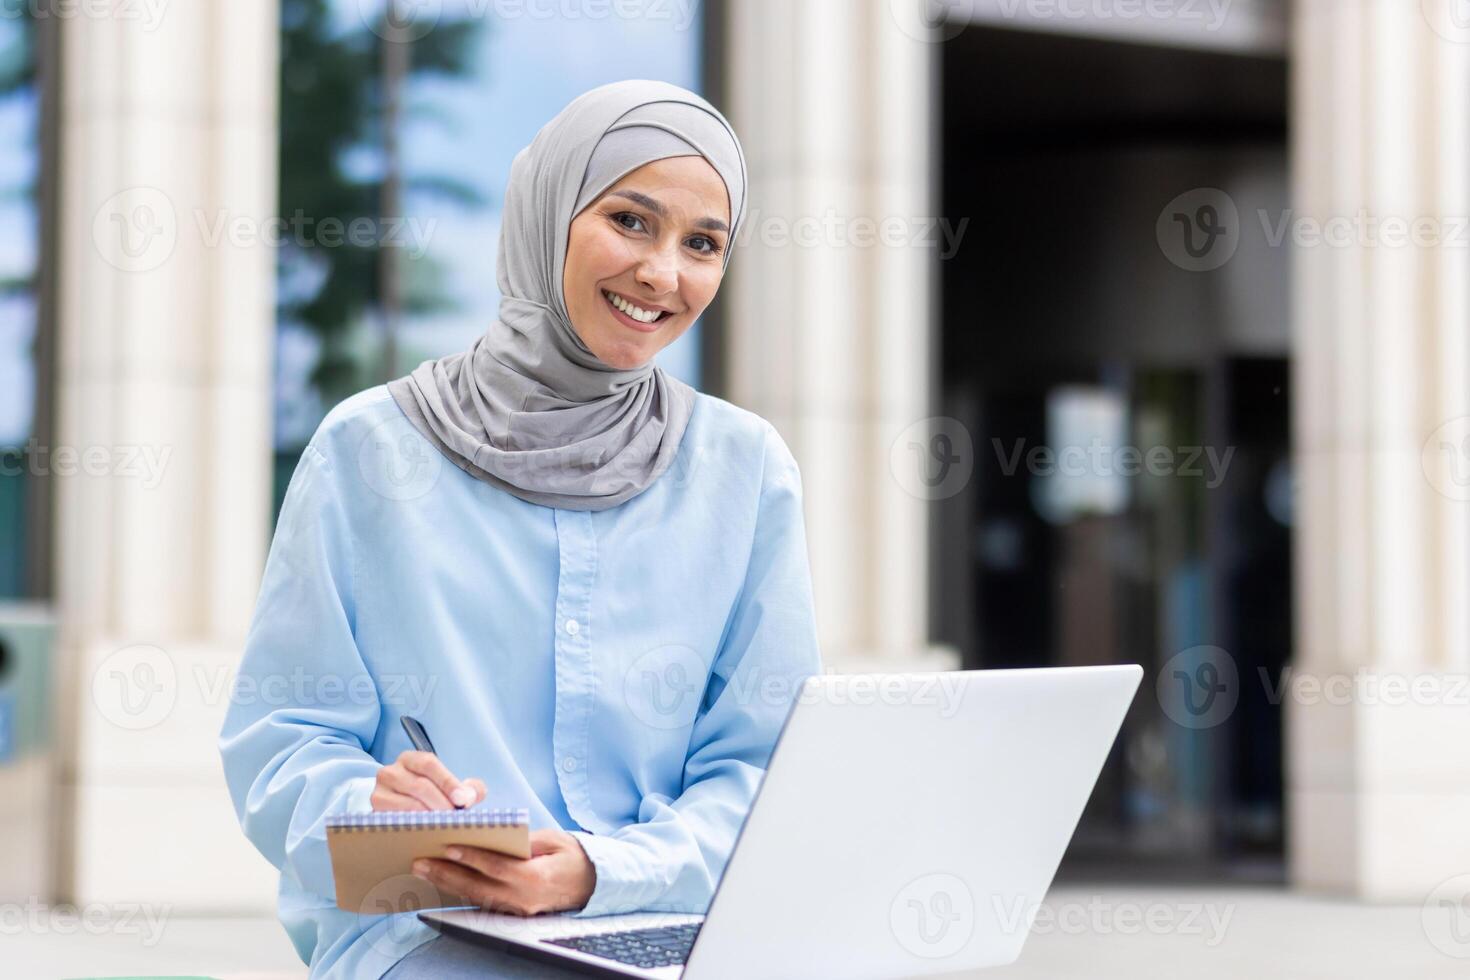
<point>636,312</point>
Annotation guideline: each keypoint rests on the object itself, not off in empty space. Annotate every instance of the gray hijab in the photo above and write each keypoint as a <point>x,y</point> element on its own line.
<point>528,407</point>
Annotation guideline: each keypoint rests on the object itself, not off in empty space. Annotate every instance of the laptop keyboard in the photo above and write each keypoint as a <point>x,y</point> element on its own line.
<point>646,948</point>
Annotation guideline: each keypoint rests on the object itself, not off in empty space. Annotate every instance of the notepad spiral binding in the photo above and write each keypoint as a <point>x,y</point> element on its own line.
<point>430,819</point>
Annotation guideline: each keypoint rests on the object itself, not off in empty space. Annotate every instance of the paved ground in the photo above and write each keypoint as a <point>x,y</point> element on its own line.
<point>1214,934</point>
<point>1084,932</point>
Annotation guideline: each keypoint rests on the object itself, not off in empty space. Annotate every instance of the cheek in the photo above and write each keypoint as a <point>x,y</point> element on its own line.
<point>587,261</point>
<point>603,253</point>
<point>701,289</point>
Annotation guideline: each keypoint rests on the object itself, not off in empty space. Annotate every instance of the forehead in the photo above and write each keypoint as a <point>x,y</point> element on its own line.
<point>687,183</point>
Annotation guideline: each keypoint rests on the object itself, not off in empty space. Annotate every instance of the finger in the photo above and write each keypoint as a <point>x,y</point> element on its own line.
<point>480,791</point>
<point>488,863</point>
<point>485,892</point>
<point>549,841</point>
<point>399,780</point>
<point>386,799</point>
<point>431,767</point>
<point>420,788</point>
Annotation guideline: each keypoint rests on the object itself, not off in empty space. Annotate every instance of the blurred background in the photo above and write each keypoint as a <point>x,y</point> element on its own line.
<point>1103,331</point>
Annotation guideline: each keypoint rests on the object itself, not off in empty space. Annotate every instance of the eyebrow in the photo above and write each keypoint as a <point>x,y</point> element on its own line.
<point>711,224</point>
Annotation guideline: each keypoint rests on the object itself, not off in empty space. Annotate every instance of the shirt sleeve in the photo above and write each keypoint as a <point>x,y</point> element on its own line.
<point>303,706</point>
<point>673,857</point>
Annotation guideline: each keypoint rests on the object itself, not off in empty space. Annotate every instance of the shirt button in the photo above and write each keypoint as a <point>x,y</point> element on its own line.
<point>569,764</point>
<point>573,627</point>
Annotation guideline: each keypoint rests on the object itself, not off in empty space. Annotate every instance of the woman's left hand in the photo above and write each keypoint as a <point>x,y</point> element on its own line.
<point>558,876</point>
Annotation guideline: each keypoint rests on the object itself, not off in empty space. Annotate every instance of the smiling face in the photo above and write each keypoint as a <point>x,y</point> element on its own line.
<point>646,258</point>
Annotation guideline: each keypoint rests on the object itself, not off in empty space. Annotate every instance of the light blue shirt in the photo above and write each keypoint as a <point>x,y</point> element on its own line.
<point>621,673</point>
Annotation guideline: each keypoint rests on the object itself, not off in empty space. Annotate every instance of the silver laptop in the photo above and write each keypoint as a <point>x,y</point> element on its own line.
<point>907,824</point>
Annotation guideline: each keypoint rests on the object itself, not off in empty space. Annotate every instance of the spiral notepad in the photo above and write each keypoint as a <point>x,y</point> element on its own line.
<point>373,853</point>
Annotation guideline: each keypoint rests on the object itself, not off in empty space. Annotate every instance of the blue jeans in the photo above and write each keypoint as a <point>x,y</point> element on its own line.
<point>447,958</point>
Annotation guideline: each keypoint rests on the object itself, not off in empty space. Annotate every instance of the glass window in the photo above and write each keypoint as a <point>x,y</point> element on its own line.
<point>19,150</point>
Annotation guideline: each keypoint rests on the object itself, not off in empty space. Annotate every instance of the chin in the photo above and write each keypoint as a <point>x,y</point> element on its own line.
<point>624,358</point>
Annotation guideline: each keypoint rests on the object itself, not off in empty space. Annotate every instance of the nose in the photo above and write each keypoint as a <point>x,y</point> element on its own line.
<point>658,270</point>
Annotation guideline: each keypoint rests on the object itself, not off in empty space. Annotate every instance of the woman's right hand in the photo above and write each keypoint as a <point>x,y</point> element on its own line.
<point>420,781</point>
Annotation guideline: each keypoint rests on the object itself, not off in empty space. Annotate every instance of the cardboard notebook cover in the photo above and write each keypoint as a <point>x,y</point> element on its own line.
<point>373,853</point>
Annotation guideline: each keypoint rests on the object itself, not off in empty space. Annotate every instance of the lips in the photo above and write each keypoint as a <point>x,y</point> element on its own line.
<point>625,318</point>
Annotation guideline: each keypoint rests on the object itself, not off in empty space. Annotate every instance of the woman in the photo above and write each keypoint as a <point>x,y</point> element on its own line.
<point>601,612</point>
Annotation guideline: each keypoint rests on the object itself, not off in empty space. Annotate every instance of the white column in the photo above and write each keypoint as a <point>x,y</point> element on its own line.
<point>167,136</point>
<point>1377,723</point>
<point>831,297</point>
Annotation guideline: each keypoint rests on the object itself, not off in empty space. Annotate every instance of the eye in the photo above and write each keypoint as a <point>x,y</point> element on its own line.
<point>714,246</point>
<point>619,216</point>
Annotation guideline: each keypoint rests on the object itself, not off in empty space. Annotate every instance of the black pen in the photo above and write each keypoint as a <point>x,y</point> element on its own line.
<point>419,736</point>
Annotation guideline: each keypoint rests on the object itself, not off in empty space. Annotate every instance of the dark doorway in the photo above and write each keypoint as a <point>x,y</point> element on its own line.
<point>1130,417</point>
